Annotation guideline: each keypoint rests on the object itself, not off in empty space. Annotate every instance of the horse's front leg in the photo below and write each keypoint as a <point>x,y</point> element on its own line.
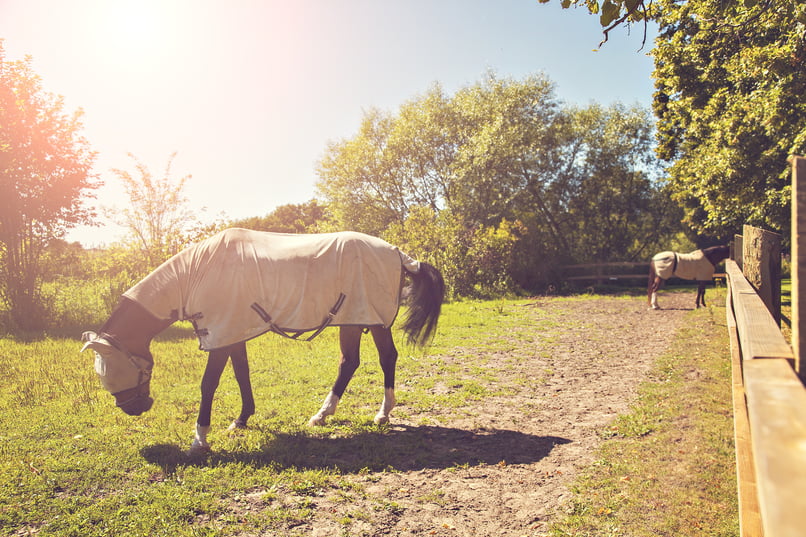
<point>700,294</point>
<point>216,361</point>
<point>387,353</point>
<point>240,365</point>
<point>350,345</point>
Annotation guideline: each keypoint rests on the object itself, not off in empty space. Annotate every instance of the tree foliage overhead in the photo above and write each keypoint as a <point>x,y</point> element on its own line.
<point>613,13</point>
<point>501,171</point>
<point>731,108</point>
<point>45,177</point>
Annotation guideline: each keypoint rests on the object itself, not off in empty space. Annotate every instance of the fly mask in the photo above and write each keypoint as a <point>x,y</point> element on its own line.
<point>123,374</point>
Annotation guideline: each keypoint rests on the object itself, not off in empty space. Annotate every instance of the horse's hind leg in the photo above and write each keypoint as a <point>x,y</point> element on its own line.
<point>387,353</point>
<point>240,365</point>
<point>350,344</point>
<point>216,361</point>
<point>653,293</point>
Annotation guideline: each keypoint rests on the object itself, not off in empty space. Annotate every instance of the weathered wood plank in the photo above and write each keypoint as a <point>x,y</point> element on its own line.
<point>749,509</point>
<point>762,266</point>
<point>799,262</point>
<point>775,402</point>
<point>759,334</point>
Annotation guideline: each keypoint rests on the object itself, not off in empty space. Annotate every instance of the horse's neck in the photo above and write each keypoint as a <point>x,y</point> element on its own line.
<point>717,256</point>
<point>134,327</point>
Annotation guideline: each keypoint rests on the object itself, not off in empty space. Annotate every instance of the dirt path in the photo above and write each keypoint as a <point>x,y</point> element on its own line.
<point>514,455</point>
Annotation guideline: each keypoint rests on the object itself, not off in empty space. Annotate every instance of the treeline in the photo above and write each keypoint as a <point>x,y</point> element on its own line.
<point>499,184</point>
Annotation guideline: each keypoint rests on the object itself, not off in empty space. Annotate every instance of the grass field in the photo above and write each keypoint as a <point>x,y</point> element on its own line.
<point>73,465</point>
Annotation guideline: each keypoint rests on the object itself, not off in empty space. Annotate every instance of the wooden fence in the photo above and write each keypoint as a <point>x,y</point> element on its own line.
<point>769,397</point>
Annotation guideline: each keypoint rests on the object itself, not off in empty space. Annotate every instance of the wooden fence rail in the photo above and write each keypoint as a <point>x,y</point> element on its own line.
<point>769,400</point>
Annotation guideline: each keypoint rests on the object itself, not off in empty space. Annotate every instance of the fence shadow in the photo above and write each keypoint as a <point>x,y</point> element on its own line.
<point>403,448</point>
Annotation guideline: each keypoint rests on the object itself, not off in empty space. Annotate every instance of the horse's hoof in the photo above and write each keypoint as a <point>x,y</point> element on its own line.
<point>196,448</point>
<point>316,421</point>
<point>381,419</point>
<point>235,425</point>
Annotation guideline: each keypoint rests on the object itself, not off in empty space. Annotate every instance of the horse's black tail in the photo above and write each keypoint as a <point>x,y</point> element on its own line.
<point>427,294</point>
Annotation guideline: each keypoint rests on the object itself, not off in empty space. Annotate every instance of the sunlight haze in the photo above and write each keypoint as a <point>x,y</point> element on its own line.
<point>249,93</point>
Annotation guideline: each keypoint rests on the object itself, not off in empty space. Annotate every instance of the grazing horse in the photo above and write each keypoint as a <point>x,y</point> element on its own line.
<point>240,283</point>
<point>698,265</point>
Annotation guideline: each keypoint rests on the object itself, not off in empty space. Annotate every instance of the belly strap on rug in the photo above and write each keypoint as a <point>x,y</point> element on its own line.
<point>296,335</point>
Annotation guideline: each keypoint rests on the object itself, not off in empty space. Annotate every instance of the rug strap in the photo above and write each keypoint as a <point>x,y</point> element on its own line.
<point>325,323</point>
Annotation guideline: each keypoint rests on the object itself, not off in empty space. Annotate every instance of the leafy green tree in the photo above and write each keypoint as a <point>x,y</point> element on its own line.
<point>158,217</point>
<point>731,107</point>
<point>394,163</point>
<point>618,209</point>
<point>511,170</point>
<point>45,178</point>
<point>614,13</point>
<point>440,152</point>
<point>307,217</point>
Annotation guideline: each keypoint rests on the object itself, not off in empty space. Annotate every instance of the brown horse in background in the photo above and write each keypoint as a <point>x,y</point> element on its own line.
<point>698,265</point>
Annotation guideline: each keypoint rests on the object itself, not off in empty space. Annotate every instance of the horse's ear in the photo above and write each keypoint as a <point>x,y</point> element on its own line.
<point>94,342</point>
<point>89,336</point>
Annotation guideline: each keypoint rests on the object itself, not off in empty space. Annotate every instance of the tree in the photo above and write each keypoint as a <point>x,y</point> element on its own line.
<point>292,218</point>
<point>731,107</point>
<point>501,167</point>
<point>45,178</point>
<point>394,163</point>
<point>614,13</point>
<point>158,217</point>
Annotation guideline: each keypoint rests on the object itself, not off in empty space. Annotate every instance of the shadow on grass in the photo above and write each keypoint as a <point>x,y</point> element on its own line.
<point>399,447</point>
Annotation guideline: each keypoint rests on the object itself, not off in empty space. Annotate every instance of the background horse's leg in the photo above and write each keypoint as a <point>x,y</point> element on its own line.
<point>216,361</point>
<point>387,353</point>
<point>240,365</point>
<point>700,294</point>
<point>653,293</point>
<point>350,344</point>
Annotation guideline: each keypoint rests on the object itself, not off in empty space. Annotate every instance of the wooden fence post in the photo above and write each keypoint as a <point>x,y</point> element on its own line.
<point>736,247</point>
<point>798,262</point>
<point>761,265</point>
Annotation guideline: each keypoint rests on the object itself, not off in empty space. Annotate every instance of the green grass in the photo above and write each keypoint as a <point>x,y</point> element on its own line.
<point>71,464</point>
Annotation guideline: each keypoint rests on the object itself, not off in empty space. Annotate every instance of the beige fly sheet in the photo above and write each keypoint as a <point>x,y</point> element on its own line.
<point>240,283</point>
<point>691,266</point>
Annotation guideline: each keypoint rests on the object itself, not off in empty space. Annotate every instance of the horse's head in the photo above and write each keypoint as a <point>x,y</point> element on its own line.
<point>124,375</point>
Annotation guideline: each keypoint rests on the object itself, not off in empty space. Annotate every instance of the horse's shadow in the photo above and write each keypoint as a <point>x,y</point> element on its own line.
<point>402,448</point>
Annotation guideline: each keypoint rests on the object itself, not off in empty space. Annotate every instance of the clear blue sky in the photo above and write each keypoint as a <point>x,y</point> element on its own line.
<point>249,92</point>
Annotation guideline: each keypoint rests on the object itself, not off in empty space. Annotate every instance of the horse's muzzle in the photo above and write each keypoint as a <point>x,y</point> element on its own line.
<point>137,406</point>
<point>134,401</point>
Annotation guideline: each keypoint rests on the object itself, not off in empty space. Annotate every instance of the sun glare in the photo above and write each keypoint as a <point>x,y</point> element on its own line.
<point>132,32</point>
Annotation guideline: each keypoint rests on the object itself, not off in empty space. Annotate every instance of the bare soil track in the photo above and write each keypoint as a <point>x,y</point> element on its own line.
<point>503,467</point>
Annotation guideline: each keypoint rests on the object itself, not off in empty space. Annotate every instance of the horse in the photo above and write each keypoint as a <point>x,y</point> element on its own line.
<point>698,265</point>
<point>239,284</point>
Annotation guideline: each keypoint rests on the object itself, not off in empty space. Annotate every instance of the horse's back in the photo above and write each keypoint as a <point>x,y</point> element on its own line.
<point>294,279</point>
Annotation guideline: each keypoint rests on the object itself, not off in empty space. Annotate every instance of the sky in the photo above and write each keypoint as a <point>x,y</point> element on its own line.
<point>248,93</point>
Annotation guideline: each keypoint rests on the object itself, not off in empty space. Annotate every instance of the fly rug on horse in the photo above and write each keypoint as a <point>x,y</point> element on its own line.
<point>239,284</point>
<point>698,265</point>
